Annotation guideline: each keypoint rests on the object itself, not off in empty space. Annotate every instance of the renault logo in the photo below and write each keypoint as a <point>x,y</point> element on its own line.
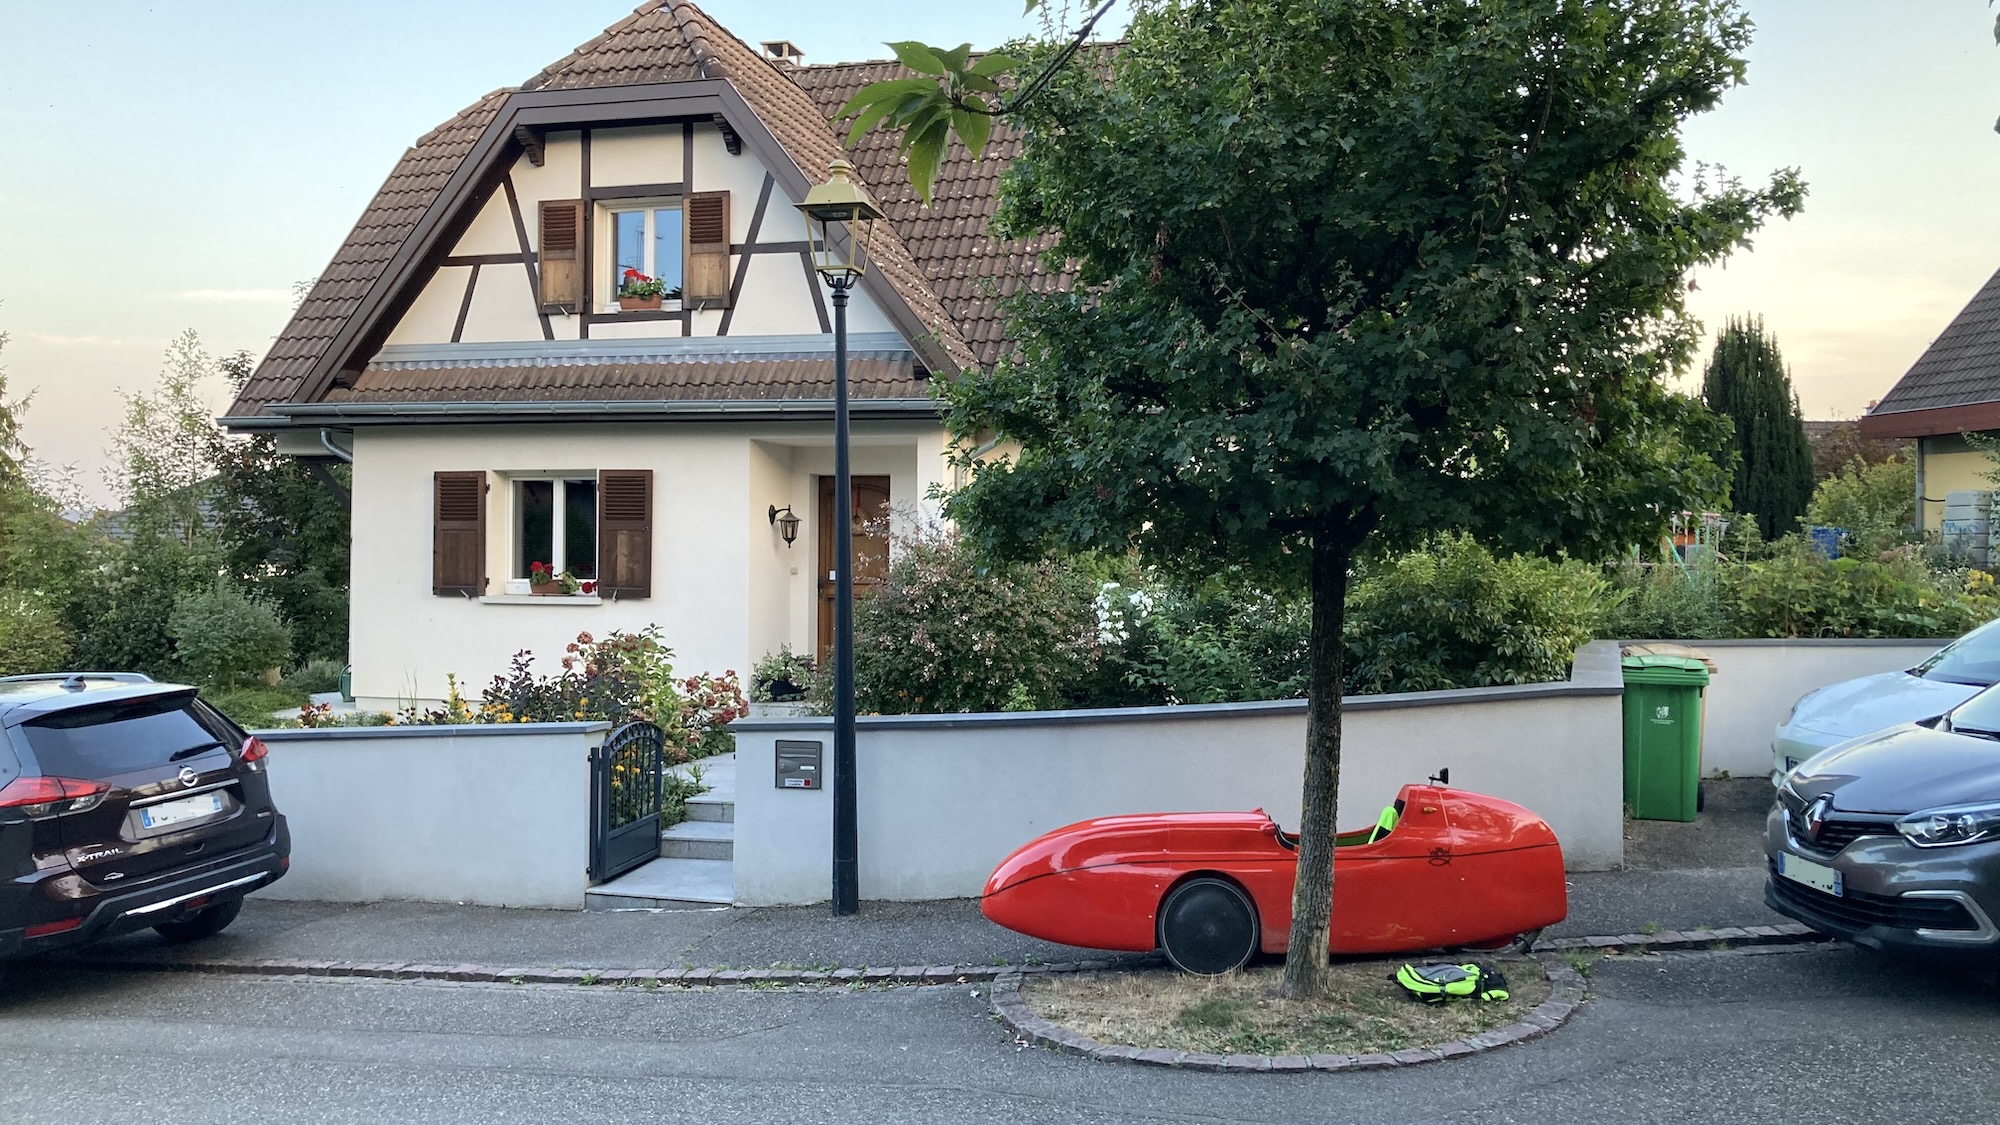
<point>188,776</point>
<point>1815,816</point>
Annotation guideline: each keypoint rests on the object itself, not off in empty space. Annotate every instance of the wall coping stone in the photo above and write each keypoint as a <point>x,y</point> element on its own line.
<point>463,730</point>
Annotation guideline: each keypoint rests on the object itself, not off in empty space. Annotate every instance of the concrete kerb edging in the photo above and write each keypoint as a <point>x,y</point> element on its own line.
<point>900,975</point>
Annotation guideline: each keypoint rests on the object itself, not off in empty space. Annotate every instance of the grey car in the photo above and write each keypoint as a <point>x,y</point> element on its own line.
<point>1892,841</point>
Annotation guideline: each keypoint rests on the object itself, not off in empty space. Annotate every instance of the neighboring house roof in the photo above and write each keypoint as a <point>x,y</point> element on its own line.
<point>939,264</point>
<point>1955,385</point>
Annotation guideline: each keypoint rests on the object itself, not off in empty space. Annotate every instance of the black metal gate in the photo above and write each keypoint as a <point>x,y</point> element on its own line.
<point>627,775</point>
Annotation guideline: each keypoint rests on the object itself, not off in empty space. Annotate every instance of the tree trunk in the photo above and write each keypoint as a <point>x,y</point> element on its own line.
<point>1307,973</point>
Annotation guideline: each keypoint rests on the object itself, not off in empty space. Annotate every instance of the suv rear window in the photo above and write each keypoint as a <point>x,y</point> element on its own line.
<point>94,742</point>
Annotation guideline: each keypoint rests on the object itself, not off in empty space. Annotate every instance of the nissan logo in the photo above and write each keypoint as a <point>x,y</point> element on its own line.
<point>188,776</point>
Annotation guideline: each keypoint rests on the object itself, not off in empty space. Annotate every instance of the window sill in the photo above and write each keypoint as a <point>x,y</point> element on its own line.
<point>541,599</point>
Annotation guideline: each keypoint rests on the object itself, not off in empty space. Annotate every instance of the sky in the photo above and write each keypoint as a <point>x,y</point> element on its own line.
<point>183,165</point>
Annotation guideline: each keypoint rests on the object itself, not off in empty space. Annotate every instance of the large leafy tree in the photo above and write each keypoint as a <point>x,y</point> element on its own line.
<point>1746,382</point>
<point>1353,270</point>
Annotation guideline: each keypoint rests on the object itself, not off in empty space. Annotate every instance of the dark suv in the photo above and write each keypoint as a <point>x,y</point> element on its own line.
<point>124,804</point>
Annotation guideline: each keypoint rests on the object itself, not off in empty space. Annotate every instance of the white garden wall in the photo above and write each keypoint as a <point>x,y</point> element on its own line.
<point>943,798</point>
<point>1757,681</point>
<point>489,815</point>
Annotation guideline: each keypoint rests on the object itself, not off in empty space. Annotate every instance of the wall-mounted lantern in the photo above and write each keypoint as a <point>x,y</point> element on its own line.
<point>786,523</point>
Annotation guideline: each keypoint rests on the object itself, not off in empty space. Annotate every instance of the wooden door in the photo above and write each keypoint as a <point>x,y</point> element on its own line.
<point>871,546</point>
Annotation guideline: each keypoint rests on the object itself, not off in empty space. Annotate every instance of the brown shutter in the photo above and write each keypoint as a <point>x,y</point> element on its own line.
<point>458,533</point>
<point>707,277</point>
<point>625,533</point>
<point>561,256</point>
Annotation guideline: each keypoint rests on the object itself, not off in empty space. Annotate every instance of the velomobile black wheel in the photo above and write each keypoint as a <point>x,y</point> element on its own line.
<point>1208,927</point>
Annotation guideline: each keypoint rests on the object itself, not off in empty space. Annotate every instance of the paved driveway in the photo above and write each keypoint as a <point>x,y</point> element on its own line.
<point>1826,1033</point>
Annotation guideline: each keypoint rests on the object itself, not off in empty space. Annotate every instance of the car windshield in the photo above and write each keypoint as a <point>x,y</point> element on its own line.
<point>1978,715</point>
<point>1972,659</point>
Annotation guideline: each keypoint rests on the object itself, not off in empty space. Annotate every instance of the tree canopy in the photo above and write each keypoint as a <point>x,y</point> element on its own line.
<point>1359,271</point>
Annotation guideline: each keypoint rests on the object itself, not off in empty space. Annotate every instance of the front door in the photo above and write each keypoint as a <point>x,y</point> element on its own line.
<point>871,546</point>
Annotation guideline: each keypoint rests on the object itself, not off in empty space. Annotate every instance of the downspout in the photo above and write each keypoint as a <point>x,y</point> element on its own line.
<point>1920,485</point>
<point>325,478</point>
<point>326,439</point>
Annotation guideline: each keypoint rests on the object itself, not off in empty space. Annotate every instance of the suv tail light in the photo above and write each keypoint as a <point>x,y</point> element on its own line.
<point>254,751</point>
<point>52,796</point>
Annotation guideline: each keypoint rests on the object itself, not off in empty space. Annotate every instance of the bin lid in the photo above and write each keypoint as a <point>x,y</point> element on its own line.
<point>1666,648</point>
<point>1654,668</point>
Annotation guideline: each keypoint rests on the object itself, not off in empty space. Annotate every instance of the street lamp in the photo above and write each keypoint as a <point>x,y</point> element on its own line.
<point>840,222</point>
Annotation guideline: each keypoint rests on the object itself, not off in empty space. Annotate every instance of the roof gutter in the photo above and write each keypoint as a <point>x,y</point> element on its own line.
<point>408,413</point>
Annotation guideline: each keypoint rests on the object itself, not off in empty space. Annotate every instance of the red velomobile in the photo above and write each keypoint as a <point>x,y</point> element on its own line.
<point>1443,867</point>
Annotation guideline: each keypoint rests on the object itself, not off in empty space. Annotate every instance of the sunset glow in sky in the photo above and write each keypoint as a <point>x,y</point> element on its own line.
<point>183,165</point>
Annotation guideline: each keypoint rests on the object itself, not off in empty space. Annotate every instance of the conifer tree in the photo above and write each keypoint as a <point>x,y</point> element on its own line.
<point>1746,381</point>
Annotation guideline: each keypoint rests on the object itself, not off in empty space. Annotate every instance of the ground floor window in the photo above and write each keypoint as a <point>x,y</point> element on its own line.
<point>555,522</point>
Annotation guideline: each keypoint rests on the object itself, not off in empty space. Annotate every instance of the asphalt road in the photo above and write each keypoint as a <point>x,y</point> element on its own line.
<point>1735,1037</point>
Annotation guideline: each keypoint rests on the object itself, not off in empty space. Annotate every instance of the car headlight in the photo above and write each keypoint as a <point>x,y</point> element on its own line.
<point>1953,824</point>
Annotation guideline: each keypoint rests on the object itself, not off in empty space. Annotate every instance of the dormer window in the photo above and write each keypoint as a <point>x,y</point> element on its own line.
<point>649,237</point>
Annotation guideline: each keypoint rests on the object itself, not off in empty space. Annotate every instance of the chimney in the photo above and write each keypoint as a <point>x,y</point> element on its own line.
<point>783,52</point>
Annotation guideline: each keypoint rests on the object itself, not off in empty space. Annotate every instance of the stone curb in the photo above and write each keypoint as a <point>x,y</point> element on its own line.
<point>902,975</point>
<point>1566,994</point>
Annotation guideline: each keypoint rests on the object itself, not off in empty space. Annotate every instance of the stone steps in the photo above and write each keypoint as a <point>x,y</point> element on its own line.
<point>699,839</point>
<point>696,869</point>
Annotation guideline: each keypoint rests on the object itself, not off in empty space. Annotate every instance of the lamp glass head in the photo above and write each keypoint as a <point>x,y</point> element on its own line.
<point>840,221</point>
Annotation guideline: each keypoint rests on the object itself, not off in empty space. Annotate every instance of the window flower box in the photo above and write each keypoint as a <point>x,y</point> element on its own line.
<point>638,292</point>
<point>638,304</point>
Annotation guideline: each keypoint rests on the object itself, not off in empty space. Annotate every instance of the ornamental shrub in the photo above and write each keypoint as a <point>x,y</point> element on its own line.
<point>1875,504</point>
<point>1223,640</point>
<point>224,637</point>
<point>951,632</point>
<point>32,635</point>
<point>1797,592</point>
<point>1664,600</point>
<point>1451,615</point>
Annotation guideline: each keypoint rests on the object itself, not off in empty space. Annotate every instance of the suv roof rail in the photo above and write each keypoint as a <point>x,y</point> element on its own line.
<point>79,677</point>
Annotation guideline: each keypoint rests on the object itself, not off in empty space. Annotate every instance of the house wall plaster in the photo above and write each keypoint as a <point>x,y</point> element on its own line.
<point>1949,465</point>
<point>723,588</point>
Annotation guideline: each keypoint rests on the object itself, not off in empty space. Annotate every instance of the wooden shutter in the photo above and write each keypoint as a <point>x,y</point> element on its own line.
<point>561,254</point>
<point>458,533</point>
<point>625,533</point>
<point>706,279</point>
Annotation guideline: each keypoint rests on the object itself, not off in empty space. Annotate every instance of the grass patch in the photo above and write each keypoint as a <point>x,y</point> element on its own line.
<point>1242,1013</point>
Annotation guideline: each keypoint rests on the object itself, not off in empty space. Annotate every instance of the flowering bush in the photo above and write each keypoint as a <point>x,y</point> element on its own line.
<point>710,704</point>
<point>949,631</point>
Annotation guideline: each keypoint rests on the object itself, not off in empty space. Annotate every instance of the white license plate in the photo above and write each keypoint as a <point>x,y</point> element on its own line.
<point>1815,875</point>
<point>174,812</point>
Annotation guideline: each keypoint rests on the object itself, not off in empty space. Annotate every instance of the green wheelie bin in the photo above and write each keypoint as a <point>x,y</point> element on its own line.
<point>1663,702</point>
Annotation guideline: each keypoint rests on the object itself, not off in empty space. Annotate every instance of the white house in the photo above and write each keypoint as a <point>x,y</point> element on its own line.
<point>467,350</point>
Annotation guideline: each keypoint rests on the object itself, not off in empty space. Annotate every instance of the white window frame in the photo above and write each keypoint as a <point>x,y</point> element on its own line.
<point>558,530</point>
<point>646,207</point>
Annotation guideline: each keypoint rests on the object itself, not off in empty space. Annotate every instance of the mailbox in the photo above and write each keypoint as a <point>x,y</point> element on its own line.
<point>799,765</point>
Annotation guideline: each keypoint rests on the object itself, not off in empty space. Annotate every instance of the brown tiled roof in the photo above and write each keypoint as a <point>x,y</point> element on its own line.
<point>662,41</point>
<point>404,197</point>
<point>870,376</point>
<point>1961,367</point>
<point>963,263</point>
